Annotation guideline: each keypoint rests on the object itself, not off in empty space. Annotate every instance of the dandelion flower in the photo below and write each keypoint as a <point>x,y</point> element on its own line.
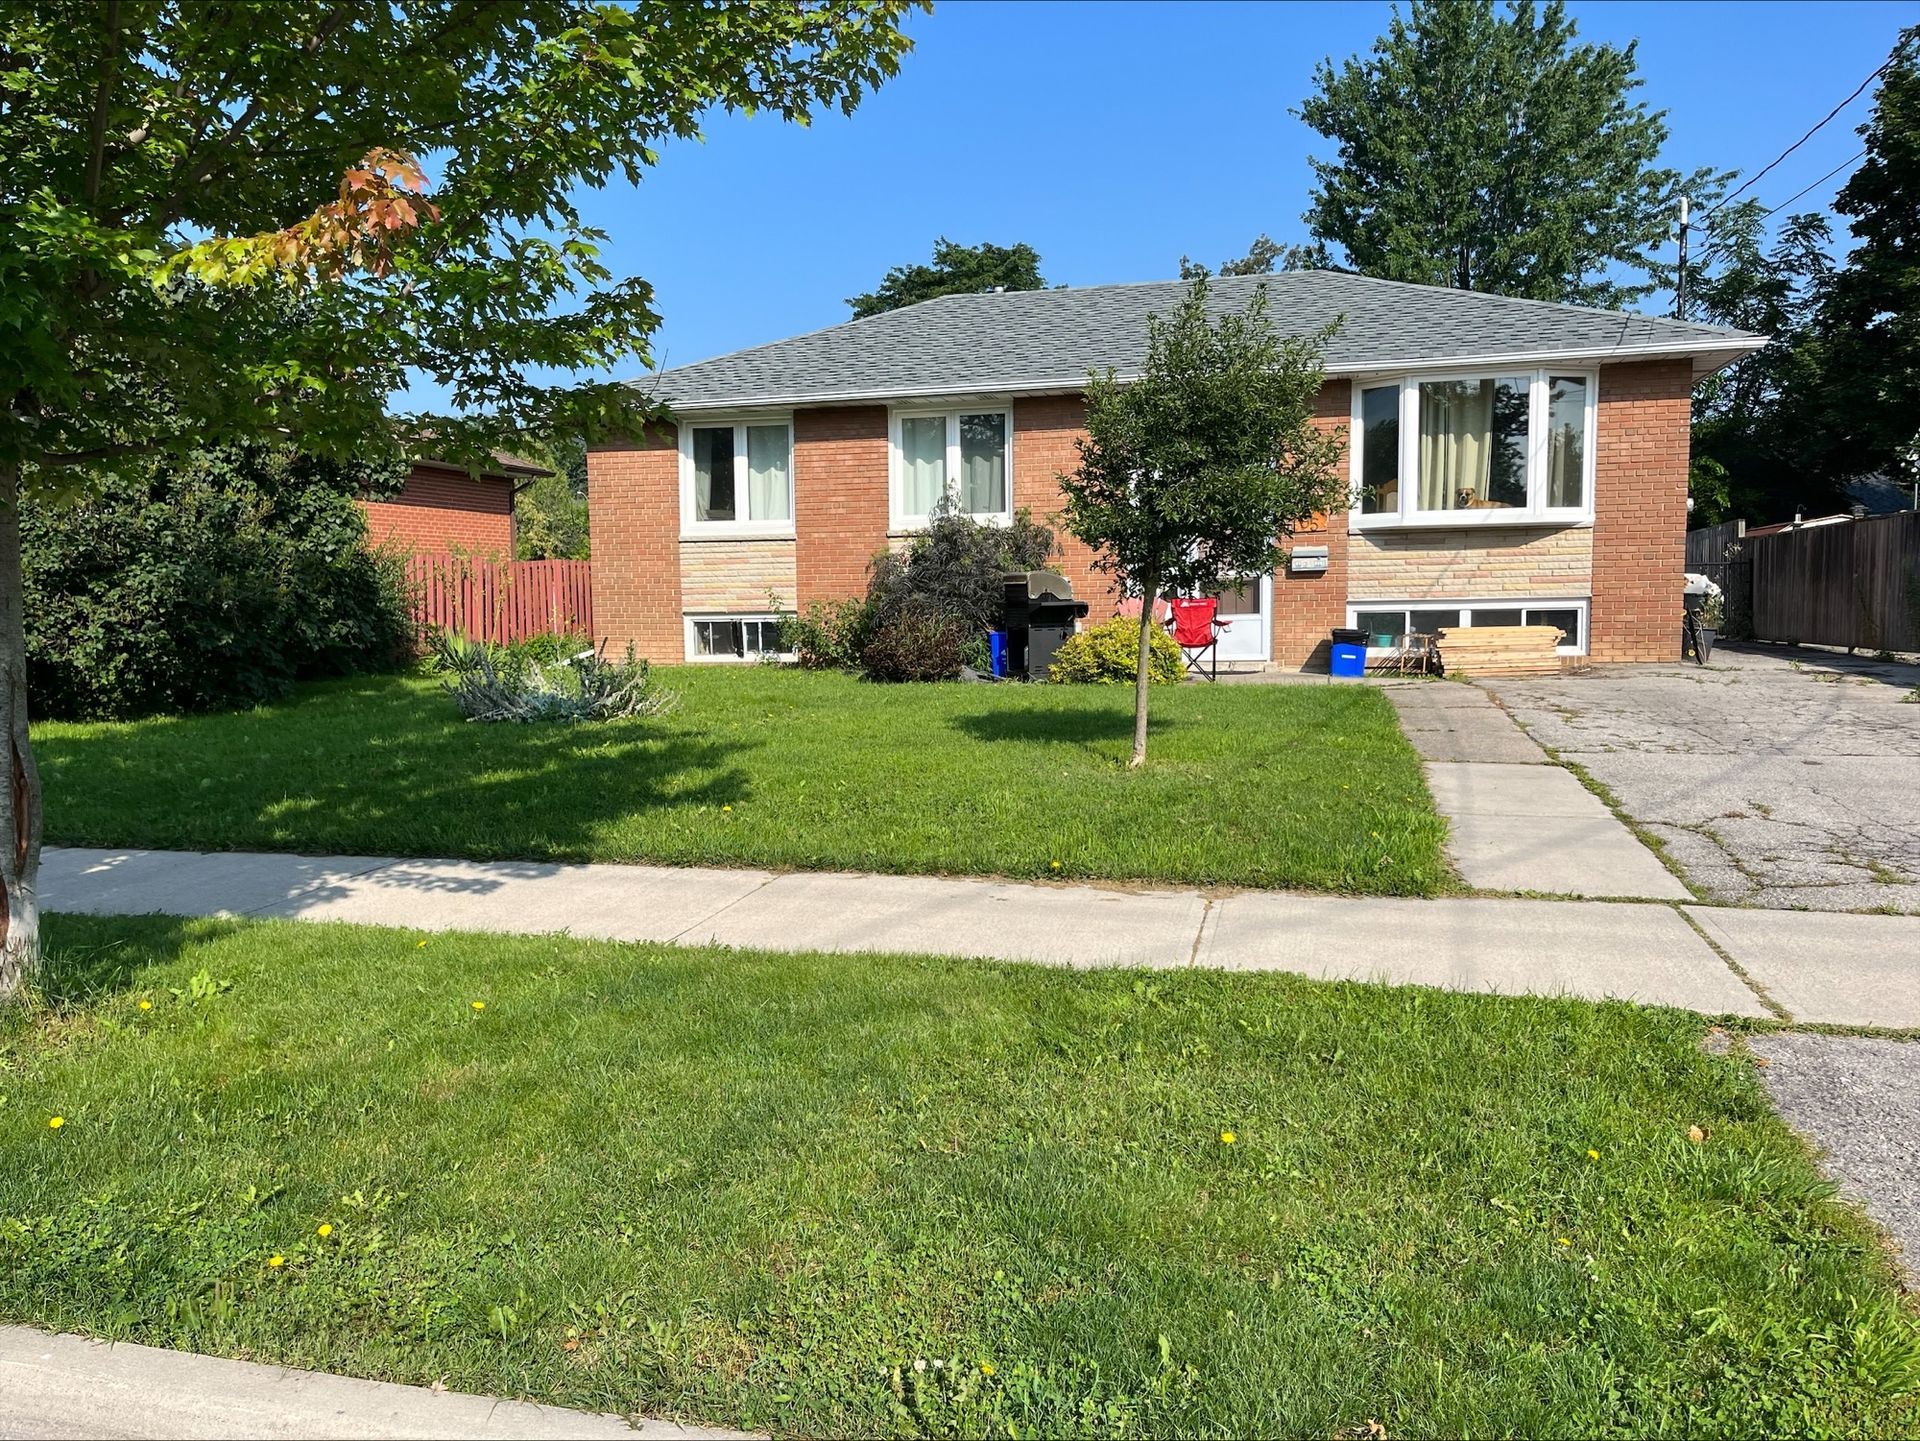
<point>421,946</point>
<point>479,1005</point>
<point>54,1123</point>
<point>146,1005</point>
<point>1563,1240</point>
<point>276,1262</point>
<point>726,808</point>
<point>1053,865</point>
<point>1592,1155</point>
<point>986,1368</point>
<point>323,1230</point>
<point>1227,1138</point>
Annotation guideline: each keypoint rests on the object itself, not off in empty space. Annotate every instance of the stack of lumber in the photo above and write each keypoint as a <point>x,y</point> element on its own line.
<point>1501,650</point>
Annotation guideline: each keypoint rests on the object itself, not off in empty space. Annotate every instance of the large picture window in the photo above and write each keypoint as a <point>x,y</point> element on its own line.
<point>736,477</point>
<point>962,458</point>
<point>1474,449</point>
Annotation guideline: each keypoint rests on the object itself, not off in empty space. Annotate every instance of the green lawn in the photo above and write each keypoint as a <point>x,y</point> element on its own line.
<point>1309,786</point>
<point>761,1190</point>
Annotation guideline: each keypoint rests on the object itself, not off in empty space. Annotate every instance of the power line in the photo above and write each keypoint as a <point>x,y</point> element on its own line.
<point>1716,248</point>
<point>1821,181</point>
<point>1858,91</point>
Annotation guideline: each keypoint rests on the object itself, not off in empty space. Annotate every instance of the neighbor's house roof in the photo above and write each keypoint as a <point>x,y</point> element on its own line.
<point>1040,341</point>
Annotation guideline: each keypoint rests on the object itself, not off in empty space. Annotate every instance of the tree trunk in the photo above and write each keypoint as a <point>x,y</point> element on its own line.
<point>19,781</point>
<point>1147,597</point>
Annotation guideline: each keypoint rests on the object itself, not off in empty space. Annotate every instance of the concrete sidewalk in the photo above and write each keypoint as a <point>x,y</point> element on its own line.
<point>1847,970</point>
<point>1515,821</point>
<point>68,1386</point>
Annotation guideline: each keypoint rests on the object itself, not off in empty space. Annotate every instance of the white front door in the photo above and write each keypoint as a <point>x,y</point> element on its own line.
<point>1244,611</point>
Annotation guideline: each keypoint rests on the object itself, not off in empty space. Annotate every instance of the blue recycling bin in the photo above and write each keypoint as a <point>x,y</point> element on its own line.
<point>997,653</point>
<point>1349,655</point>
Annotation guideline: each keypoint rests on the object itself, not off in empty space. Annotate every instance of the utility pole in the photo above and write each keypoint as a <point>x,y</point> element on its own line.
<point>1680,284</point>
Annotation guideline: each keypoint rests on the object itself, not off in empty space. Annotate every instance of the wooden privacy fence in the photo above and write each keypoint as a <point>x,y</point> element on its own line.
<point>502,600</point>
<point>1854,584</point>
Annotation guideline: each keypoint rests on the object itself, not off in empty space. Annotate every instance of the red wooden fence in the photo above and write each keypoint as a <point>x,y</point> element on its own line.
<point>502,600</point>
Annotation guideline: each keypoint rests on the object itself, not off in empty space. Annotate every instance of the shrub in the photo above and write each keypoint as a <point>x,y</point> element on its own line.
<point>915,644</point>
<point>208,583</point>
<point>496,683</point>
<point>446,650</point>
<point>830,635</point>
<point>957,567</point>
<point>1107,654</point>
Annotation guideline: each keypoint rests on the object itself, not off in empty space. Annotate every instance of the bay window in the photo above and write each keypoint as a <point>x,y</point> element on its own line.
<point>736,477</point>
<point>957,458</point>
<point>1510,447</point>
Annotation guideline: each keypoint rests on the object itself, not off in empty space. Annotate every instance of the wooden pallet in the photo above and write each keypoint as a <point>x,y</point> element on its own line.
<point>1501,650</point>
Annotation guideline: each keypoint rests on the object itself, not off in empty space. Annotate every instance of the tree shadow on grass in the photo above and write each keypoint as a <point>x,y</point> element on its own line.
<point>385,771</point>
<point>87,959</point>
<point>1091,729</point>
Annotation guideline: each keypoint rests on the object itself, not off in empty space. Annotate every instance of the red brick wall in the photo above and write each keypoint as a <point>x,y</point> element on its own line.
<point>839,498</point>
<point>1640,510</point>
<point>1307,606</point>
<point>445,510</point>
<point>1044,432</point>
<point>633,515</point>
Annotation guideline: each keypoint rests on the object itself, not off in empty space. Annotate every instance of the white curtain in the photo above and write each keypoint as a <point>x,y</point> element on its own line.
<point>769,496</point>
<point>1456,421</point>
<point>983,464</point>
<point>923,463</point>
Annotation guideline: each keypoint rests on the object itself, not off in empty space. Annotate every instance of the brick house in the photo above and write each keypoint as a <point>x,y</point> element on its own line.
<point>1510,462</point>
<point>441,508</point>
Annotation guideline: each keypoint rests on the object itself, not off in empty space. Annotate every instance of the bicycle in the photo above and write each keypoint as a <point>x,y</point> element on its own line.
<point>1690,638</point>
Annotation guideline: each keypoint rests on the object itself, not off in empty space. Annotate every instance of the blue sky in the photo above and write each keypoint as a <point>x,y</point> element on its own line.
<point>1116,137</point>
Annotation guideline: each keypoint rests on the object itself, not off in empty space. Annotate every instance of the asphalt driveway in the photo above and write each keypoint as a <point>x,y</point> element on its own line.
<point>1774,776</point>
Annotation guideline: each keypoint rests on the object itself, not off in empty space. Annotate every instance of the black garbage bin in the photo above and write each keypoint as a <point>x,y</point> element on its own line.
<point>1041,614</point>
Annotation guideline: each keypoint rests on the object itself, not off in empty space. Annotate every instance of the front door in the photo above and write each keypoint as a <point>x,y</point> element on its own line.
<point>1244,610</point>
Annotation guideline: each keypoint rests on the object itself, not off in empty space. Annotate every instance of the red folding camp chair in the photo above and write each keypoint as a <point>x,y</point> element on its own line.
<point>1196,630</point>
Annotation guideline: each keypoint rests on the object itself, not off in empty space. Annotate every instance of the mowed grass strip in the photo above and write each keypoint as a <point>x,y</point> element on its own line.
<point>1308,786</point>
<point>839,1196</point>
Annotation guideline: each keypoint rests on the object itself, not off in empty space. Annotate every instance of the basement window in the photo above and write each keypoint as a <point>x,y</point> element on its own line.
<point>1386,621</point>
<point>733,637</point>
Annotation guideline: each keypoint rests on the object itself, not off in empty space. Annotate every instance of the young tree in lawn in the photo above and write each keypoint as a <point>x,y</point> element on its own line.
<point>1192,475</point>
<point>213,229</point>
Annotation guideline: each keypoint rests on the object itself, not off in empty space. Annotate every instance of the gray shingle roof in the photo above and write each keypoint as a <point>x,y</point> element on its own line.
<point>1037,340</point>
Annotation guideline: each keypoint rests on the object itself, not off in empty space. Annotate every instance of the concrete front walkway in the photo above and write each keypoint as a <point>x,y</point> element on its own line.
<point>67,1386</point>
<point>1516,822</point>
<point>1643,952</point>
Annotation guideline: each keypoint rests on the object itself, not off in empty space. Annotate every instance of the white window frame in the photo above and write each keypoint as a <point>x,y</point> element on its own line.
<point>692,647</point>
<point>898,518</point>
<point>1535,512</point>
<point>693,528</point>
<point>1582,604</point>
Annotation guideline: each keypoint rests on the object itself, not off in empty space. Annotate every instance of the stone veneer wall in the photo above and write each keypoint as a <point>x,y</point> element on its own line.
<point>732,577</point>
<point>1482,564</point>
